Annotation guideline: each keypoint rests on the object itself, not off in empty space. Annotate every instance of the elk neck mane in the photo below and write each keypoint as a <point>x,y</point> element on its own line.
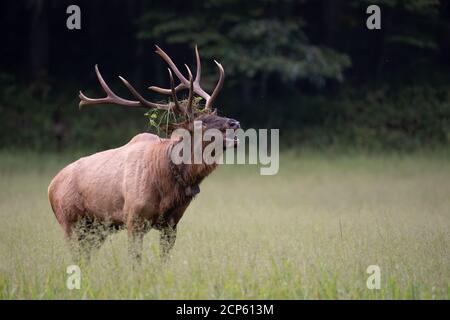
<point>186,177</point>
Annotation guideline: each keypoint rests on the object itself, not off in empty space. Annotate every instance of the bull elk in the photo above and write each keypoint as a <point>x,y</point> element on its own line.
<point>136,186</point>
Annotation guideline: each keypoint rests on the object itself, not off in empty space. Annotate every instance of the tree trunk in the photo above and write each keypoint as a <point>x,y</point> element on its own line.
<point>39,41</point>
<point>330,10</point>
<point>385,29</point>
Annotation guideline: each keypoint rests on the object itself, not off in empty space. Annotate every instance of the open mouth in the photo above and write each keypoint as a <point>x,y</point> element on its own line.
<point>230,142</point>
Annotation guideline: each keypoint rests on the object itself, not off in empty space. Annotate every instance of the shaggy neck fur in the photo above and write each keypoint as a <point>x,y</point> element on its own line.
<point>188,175</point>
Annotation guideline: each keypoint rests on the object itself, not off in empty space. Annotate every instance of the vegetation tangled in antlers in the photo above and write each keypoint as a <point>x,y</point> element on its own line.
<point>161,120</point>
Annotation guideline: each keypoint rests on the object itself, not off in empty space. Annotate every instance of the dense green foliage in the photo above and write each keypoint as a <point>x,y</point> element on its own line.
<point>250,41</point>
<point>407,118</point>
<point>309,68</point>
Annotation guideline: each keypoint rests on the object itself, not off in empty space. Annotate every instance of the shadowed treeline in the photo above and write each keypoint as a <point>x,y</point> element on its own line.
<point>310,68</point>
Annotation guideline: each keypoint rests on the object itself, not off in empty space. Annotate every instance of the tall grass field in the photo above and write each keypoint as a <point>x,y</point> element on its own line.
<point>309,232</point>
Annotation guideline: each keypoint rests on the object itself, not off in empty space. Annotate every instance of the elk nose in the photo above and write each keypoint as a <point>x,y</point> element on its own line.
<point>233,124</point>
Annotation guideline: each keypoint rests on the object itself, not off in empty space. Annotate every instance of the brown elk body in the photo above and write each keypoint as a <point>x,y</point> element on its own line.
<point>135,186</point>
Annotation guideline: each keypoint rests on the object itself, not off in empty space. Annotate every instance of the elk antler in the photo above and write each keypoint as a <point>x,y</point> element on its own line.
<point>192,85</point>
<point>112,98</point>
<point>186,84</point>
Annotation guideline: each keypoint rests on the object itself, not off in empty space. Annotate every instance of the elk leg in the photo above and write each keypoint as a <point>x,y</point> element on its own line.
<point>167,239</point>
<point>81,251</point>
<point>136,229</point>
<point>135,240</point>
<point>87,236</point>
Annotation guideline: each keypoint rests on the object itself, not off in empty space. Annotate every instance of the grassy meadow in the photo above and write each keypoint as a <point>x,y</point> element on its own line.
<point>309,232</point>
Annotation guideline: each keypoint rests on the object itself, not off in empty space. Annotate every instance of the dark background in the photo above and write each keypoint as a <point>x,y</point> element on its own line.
<point>310,68</point>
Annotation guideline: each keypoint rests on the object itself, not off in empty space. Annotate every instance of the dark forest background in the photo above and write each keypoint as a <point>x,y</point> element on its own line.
<point>310,68</point>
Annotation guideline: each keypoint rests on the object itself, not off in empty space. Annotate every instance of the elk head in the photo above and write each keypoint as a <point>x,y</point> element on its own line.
<point>184,110</point>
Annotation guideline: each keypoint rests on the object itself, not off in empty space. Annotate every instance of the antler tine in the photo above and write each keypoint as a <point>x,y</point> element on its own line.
<point>174,94</point>
<point>191,92</point>
<point>172,65</point>
<point>111,97</point>
<point>184,82</point>
<point>177,72</point>
<point>166,91</point>
<point>198,74</point>
<point>218,87</point>
<point>141,99</point>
